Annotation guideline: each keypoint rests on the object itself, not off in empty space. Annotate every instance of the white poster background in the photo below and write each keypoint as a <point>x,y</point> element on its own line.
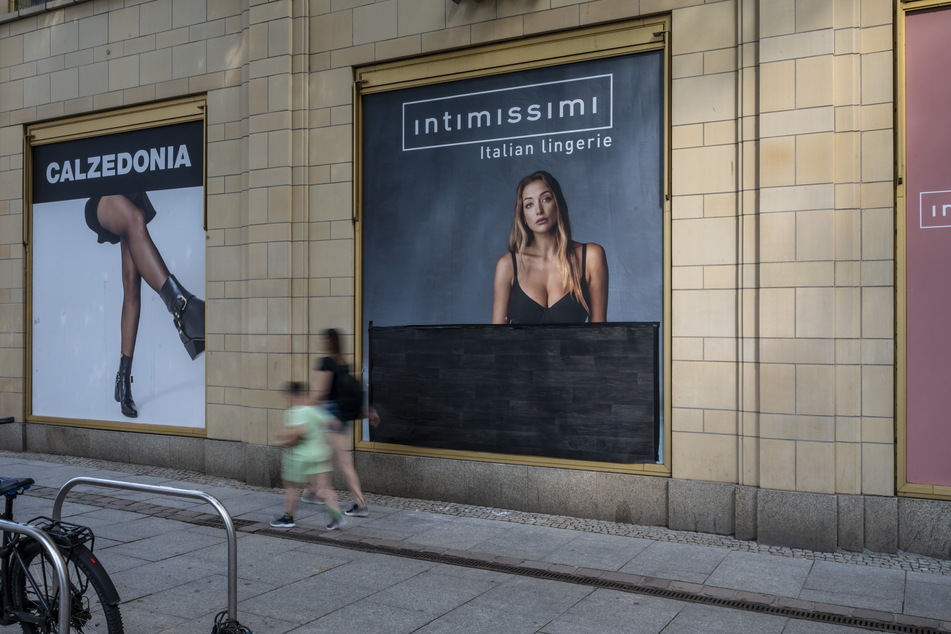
<point>77,298</point>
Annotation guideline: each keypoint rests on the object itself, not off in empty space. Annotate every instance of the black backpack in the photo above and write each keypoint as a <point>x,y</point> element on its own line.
<point>349,394</point>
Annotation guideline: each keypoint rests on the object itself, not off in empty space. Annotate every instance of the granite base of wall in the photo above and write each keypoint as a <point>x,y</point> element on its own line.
<point>793,519</point>
<point>589,494</point>
<point>813,521</point>
<point>797,520</point>
<point>11,436</point>
<point>706,507</point>
<point>254,464</point>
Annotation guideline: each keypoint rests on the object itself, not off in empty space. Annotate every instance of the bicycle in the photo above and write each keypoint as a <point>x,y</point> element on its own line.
<point>29,588</point>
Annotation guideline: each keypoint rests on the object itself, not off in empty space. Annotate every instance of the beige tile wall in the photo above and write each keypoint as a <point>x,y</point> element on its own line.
<point>781,242</point>
<point>811,85</point>
<point>815,328</point>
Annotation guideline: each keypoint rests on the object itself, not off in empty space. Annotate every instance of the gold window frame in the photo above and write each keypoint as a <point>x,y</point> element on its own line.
<point>108,122</point>
<point>622,38</point>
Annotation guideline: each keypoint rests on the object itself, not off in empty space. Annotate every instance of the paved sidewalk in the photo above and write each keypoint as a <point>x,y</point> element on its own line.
<point>430,567</point>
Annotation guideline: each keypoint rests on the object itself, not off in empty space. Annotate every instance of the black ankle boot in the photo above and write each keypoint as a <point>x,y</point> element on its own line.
<point>124,387</point>
<point>188,312</point>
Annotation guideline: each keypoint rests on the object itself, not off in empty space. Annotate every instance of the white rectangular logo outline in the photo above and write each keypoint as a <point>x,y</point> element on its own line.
<point>921,210</point>
<point>609,125</point>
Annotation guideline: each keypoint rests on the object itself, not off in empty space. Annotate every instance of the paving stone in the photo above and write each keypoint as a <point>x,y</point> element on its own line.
<point>589,572</point>
<point>801,626</point>
<point>874,615</point>
<point>928,595</point>
<point>830,608</point>
<point>917,621</point>
<point>718,593</point>
<point>536,565</point>
<point>707,619</point>
<point>682,586</point>
<point>612,611</point>
<point>607,552</point>
<point>796,604</point>
<point>657,582</point>
<point>756,572</point>
<point>681,562</point>
<point>432,593</point>
<point>623,577</point>
<point>508,561</point>
<point>368,617</point>
<point>755,597</point>
<point>856,586</point>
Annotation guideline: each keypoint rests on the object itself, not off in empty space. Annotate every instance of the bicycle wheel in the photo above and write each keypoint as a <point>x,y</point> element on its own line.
<point>36,591</point>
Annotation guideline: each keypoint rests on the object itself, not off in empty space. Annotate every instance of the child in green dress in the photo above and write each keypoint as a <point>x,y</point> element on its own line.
<point>307,456</point>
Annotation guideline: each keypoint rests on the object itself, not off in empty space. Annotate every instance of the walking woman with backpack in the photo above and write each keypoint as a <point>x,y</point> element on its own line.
<point>337,390</point>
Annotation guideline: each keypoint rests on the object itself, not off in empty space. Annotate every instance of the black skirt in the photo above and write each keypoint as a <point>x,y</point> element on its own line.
<point>139,199</point>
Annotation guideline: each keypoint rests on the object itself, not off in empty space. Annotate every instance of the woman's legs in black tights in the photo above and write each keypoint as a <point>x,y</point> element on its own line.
<point>129,328</point>
<point>118,215</point>
<point>131,300</point>
<point>142,260</point>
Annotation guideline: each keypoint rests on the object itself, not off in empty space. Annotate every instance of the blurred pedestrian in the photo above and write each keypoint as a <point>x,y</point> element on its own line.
<point>341,396</point>
<point>307,456</point>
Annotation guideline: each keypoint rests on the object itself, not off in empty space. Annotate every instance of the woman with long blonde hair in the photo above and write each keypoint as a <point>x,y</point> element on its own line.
<point>546,277</point>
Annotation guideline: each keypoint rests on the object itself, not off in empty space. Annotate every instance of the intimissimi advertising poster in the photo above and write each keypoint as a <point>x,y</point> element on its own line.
<point>533,197</point>
<point>442,168</point>
<point>118,277</point>
<point>928,247</point>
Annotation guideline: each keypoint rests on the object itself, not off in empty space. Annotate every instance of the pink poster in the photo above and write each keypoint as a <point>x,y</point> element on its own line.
<point>928,247</point>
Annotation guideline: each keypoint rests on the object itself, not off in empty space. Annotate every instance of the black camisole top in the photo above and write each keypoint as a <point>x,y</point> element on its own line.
<point>522,309</point>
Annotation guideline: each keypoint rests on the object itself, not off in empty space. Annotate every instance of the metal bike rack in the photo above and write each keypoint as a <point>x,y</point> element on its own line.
<point>56,557</point>
<point>182,493</point>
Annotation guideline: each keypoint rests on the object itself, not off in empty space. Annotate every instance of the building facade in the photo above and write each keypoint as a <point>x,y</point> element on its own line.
<point>751,169</point>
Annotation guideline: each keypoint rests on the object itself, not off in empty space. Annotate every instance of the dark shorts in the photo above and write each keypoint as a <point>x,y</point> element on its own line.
<point>139,199</point>
<point>334,410</point>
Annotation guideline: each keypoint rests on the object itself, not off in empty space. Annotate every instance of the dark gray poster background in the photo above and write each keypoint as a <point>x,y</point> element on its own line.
<point>436,220</point>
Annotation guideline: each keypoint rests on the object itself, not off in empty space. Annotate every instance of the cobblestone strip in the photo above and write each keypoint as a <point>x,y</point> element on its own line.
<point>899,561</point>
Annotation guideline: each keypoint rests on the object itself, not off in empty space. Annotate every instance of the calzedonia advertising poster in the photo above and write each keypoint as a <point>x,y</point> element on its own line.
<point>521,199</point>
<point>118,277</point>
